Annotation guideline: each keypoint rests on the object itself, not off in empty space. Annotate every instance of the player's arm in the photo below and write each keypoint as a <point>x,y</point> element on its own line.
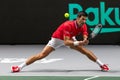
<point>85,39</point>
<point>70,42</point>
<point>85,35</point>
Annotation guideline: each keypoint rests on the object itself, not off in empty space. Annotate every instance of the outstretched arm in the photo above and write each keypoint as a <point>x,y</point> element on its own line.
<point>85,39</point>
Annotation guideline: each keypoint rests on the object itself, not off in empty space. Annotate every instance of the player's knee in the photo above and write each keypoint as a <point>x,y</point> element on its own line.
<point>72,47</point>
<point>80,49</point>
<point>76,47</point>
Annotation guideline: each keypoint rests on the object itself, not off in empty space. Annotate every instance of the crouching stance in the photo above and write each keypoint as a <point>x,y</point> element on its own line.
<point>65,35</point>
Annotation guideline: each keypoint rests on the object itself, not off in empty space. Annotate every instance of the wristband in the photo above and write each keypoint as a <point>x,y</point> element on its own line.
<point>76,43</point>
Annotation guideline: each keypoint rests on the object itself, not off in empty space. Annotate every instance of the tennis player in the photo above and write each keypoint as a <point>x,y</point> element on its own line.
<point>65,35</point>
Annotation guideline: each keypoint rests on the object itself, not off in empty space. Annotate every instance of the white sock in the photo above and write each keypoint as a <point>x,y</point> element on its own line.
<point>22,65</point>
<point>99,62</point>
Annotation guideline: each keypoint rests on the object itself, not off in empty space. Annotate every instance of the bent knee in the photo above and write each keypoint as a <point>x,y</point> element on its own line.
<point>76,47</point>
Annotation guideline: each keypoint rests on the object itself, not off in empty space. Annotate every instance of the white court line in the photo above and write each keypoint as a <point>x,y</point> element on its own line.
<point>91,77</point>
<point>16,60</point>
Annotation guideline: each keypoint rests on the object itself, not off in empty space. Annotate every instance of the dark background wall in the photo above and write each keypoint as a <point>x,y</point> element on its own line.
<point>33,21</point>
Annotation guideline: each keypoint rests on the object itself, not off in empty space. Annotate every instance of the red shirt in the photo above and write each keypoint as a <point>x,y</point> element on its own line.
<point>69,28</point>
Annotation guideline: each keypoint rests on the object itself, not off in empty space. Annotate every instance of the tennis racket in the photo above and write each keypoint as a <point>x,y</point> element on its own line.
<point>95,31</point>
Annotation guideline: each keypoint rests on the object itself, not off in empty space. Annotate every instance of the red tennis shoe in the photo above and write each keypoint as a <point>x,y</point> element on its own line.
<point>15,69</point>
<point>104,68</point>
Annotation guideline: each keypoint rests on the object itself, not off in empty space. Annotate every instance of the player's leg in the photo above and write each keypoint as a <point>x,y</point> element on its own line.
<point>51,46</point>
<point>45,52</point>
<point>91,56</point>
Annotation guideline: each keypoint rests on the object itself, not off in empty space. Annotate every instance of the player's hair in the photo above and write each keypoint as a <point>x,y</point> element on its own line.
<point>82,13</point>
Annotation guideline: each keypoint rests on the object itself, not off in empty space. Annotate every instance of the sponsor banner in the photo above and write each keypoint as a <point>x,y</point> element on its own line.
<point>33,22</point>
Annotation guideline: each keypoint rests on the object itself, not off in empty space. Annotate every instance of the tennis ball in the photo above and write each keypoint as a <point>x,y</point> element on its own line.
<point>66,15</point>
